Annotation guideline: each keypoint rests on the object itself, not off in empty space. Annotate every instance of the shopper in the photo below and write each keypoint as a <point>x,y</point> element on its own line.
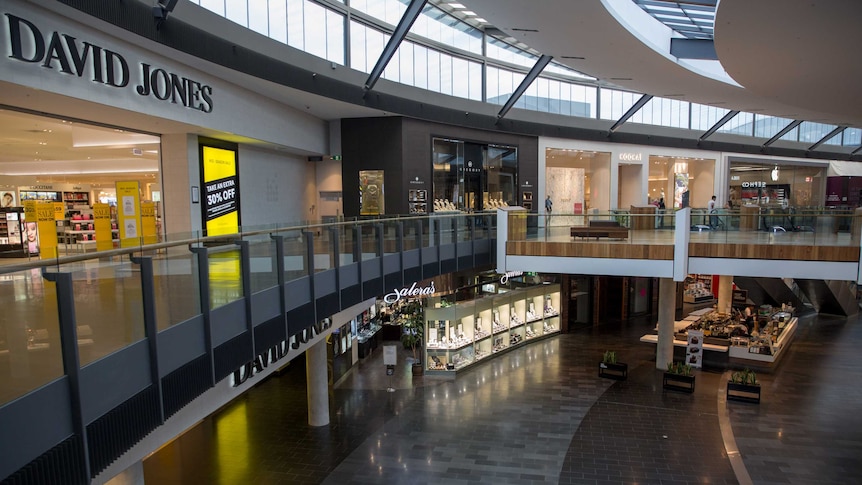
<point>710,208</point>
<point>548,204</point>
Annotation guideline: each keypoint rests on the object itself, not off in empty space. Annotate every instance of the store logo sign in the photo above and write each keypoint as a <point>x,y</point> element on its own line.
<point>412,291</point>
<point>68,55</point>
<point>631,157</point>
<point>753,185</point>
<point>509,274</point>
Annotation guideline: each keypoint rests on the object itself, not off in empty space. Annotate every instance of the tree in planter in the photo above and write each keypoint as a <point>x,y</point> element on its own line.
<point>413,329</point>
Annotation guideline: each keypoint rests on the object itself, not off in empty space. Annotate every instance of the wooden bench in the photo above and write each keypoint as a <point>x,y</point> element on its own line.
<point>598,229</point>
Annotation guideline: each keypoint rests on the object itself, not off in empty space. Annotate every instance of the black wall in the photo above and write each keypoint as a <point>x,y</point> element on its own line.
<point>402,148</point>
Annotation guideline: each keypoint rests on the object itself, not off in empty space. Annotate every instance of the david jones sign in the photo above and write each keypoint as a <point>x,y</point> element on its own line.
<point>66,54</point>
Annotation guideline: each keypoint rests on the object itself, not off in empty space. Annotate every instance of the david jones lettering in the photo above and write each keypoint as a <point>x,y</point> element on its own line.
<point>71,56</point>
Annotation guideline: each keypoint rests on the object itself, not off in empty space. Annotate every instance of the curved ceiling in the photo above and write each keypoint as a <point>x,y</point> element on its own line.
<point>796,52</point>
<point>587,37</point>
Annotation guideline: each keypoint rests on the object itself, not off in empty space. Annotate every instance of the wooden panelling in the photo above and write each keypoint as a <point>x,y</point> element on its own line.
<point>774,251</point>
<point>589,250</point>
<point>517,225</point>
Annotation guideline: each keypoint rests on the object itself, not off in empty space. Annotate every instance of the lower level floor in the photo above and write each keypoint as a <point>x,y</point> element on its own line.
<point>540,414</point>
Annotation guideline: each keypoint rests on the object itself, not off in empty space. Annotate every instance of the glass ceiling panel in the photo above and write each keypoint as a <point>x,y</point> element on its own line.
<point>852,137</point>
<point>693,19</point>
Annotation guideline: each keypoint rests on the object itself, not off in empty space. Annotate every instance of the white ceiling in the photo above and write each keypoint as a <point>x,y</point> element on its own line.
<point>795,58</point>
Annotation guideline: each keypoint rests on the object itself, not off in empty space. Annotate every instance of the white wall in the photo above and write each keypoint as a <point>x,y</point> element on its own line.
<point>328,177</point>
<point>631,187</point>
<point>272,187</point>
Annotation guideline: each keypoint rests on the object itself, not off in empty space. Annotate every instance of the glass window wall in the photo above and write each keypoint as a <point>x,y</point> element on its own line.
<point>777,185</point>
<point>577,181</point>
<point>473,177</point>
<point>663,112</point>
<point>670,178</point>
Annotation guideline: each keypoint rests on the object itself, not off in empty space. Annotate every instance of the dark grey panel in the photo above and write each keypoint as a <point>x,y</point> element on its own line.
<point>110,381</point>
<point>391,263</point>
<point>34,423</point>
<point>299,318</point>
<point>371,289</point>
<point>348,275</point>
<point>351,296</point>
<point>181,344</point>
<point>411,258</point>
<point>326,306</point>
<point>228,321</point>
<point>693,49</point>
<point>392,281</point>
<point>447,251</point>
<point>370,269</point>
<point>482,245</point>
<point>465,262</point>
<point>429,255</point>
<point>448,266</point>
<point>269,333</point>
<point>324,283</point>
<point>411,274</point>
<point>465,249</point>
<point>265,305</point>
<point>297,293</point>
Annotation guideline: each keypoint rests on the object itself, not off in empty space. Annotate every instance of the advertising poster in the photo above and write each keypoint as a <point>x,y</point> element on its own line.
<point>7,199</point>
<point>220,201</point>
<point>371,192</point>
<point>694,349</point>
<point>59,211</point>
<point>102,225</point>
<point>31,229</point>
<point>47,229</point>
<point>129,213</point>
<point>148,222</point>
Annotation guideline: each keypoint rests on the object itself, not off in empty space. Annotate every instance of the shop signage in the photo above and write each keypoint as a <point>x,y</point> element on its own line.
<point>221,190</point>
<point>276,353</point>
<point>631,157</point>
<point>416,181</point>
<point>412,291</point>
<point>753,185</point>
<point>66,54</point>
<point>470,169</point>
<point>509,274</point>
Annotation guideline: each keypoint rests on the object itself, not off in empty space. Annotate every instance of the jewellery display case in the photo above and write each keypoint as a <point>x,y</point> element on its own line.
<point>459,334</point>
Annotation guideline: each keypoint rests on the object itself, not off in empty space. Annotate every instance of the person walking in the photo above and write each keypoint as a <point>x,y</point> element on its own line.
<point>548,204</point>
<point>710,208</point>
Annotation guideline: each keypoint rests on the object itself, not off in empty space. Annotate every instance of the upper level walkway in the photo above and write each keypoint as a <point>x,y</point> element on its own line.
<point>819,245</point>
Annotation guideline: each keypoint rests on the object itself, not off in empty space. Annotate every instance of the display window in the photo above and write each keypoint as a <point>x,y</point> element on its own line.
<point>75,166</point>
<point>577,181</point>
<point>776,185</point>
<point>473,177</point>
<point>677,182</point>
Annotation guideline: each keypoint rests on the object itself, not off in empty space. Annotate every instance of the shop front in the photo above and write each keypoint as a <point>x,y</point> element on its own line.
<point>777,184</point>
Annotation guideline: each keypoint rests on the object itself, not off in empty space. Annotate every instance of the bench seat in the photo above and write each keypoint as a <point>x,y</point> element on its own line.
<point>599,229</point>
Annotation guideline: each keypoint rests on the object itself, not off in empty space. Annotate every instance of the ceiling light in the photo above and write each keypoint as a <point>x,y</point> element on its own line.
<point>456,5</point>
<point>480,19</point>
<point>572,57</point>
<point>469,13</point>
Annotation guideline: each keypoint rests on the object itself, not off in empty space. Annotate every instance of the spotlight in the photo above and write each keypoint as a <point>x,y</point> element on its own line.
<point>161,11</point>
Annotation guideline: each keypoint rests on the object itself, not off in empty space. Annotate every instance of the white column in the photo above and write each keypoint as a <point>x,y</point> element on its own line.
<point>666,307</point>
<point>318,384</point>
<point>725,293</point>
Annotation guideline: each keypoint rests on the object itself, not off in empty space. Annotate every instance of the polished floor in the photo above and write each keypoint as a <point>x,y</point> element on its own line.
<point>539,414</point>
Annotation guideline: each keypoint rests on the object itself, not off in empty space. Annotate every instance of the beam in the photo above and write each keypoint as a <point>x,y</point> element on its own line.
<point>693,49</point>
<point>531,76</point>
<point>793,124</point>
<point>723,121</point>
<point>837,130</point>
<point>631,112</point>
<point>398,35</point>
<point>854,152</point>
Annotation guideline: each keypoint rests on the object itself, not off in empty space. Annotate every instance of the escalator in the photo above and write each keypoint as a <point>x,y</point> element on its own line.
<point>831,296</point>
<point>771,291</point>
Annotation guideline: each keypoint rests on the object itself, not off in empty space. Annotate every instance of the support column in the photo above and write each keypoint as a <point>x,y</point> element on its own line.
<point>318,384</point>
<point>725,293</point>
<point>666,306</point>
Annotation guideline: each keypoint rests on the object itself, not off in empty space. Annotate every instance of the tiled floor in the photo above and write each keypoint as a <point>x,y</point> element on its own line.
<point>539,414</point>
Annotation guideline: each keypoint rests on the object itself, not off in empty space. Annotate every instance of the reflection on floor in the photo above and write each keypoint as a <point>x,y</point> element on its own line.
<point>539,414</point>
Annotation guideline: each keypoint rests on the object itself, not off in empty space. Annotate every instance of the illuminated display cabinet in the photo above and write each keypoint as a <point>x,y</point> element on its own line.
<point>460,334</point>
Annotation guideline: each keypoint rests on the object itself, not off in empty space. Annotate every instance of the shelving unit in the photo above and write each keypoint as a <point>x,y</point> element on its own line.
<point>461,334</point>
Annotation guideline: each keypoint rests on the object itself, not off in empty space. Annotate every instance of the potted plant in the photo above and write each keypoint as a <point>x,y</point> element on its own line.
<point>743,386</point>
<point>678,377</point>
<point>412,335</point>
<point>611,369</point>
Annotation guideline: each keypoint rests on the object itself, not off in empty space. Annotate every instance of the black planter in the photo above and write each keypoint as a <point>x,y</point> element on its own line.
<point>418,370</point>
<point>618,371</point>
<point>677,382</point>
<point>743,392</point>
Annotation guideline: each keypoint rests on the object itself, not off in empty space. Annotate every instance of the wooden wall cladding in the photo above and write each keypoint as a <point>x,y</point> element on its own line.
<point>774,251</point>
<point>590,250</point>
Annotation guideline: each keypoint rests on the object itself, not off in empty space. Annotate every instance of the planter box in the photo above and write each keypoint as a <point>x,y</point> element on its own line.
<point>618,371</point>
<point>743,392</point>
<point>676,382</point>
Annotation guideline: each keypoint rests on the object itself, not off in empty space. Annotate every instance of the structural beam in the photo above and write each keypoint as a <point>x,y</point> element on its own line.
<point>531,76</point>
<point>631,112</point>
<point>828,136</point>
<point>410,16</point>
<point>793,124</point>
<point>854,152</point>
<point>723,121</point>
<point>682,48</point>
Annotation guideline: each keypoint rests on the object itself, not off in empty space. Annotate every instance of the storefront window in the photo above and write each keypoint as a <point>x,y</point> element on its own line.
<point>577,181</point>
<point>776,185</point>
<point>472,176</point>
<point>670,178</point>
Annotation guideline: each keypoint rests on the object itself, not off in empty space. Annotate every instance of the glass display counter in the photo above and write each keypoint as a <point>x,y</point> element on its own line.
<point>460,334</point>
